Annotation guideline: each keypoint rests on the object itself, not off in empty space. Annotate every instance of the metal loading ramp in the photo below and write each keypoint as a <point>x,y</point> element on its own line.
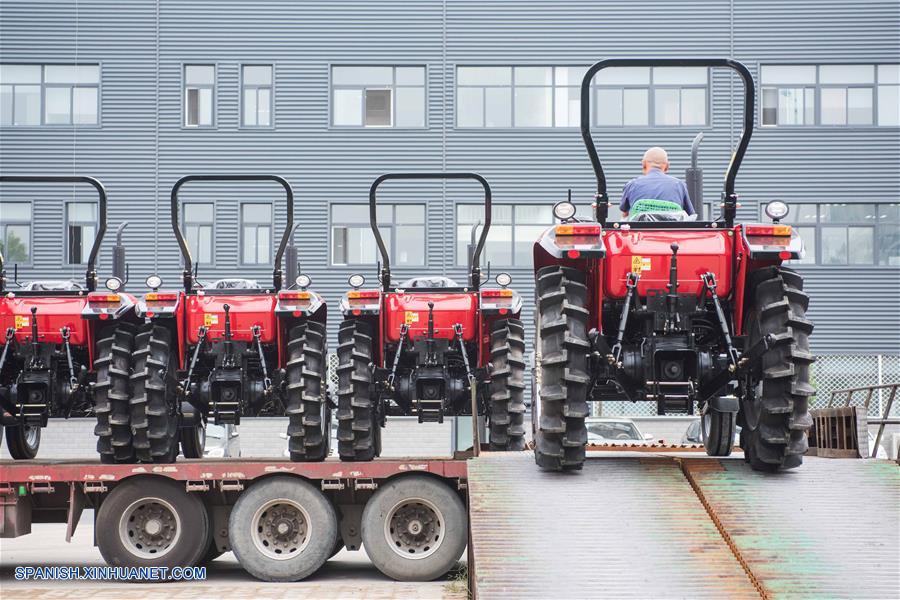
<point>652,526</point>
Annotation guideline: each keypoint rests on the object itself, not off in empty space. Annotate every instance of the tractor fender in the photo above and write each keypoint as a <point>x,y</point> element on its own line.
<point>724,404</point>
<point>571,246</point>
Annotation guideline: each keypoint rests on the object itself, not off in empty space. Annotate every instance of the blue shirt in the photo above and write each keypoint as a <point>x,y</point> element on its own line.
<point>656,185</point>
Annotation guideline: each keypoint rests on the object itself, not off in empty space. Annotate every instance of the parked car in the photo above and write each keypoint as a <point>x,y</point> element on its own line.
<point>605,431</point>
<point>222,441</point>
<point>693,435</point>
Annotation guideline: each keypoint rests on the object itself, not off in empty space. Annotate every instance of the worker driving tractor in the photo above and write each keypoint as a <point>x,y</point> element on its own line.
<point>655,191</point>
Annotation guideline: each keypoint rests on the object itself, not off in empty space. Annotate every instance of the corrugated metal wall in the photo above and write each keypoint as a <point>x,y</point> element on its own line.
<point>141,147</point>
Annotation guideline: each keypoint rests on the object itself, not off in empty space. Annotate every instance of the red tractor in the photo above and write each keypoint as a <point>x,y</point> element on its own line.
<point>66,349</point>
<point>229,349</point>
<point>664,309</point>
<point>429,347</point>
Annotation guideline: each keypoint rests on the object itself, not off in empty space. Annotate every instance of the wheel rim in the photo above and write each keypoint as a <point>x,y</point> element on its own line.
<point>201,437</point>
<point>753,389</point>
<point>280,529</point>
<point>705,425</point>
<point>149,528</point>
<point>32,435</point>
<point>414,528</point>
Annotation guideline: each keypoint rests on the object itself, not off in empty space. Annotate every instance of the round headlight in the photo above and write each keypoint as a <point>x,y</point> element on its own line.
<point>503,279</point>
<point>154,282</point>
<point>356,281</point>
<point>303,281</point>
<point>114,284</point>
<point>777,210</point>
<point>564,210</point>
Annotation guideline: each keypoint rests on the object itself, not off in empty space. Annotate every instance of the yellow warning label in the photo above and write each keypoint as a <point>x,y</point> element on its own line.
<point>209,319</point>
<point>22,322</point>
<point>411,317</point>
<point>640,263</point>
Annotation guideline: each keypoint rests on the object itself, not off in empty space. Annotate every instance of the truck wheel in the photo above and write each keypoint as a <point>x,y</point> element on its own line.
<point>112,395</point>
<point>774,408</point>
<point>154,421</point>
<point>309,425</point>
<point>282,529</point>
<point>507,387</point>
<point>357,422</point>
<point>563,323</point>
<point>414,528</point>
<point>193,439</point>
<point>152,522</point>
<point>23,441</point>
<point>717,432</point>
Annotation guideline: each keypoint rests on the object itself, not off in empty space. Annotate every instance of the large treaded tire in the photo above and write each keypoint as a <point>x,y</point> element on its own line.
<point>112,393</point>
<point>357,420</point>
<point>309,426</point>
<point>775,409</point>
<point>507,387</point>
<point>23,441</point>
<point>154,421</point>
<point>563,323</point>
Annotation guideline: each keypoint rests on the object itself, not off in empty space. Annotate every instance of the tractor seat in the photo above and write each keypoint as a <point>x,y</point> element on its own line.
<point>52,286</point>
<point>652,210</point>
<point>234,284</point>
<point>429,282</point>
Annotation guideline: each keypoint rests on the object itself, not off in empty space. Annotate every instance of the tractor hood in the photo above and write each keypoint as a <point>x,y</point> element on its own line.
<point>411,309</point>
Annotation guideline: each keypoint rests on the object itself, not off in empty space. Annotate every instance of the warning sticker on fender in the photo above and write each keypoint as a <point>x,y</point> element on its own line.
<point>22,322</point>
<point>640,263</point>
<point>411,317</point>
<point>209,319</point>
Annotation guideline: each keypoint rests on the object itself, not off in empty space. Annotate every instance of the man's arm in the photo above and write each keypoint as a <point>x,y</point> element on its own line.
<point>625,204</point>
<point>686,200</point>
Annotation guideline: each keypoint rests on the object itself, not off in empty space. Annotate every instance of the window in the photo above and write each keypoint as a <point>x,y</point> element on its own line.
<point>199,95</point>
<point>256,233</point>
<point>550,96</point>
<point>34,95</point>
<point>401,225</point>
<point>834,95</point>
<point>374,96</point>
<point>198,230</point>
<point>511,237</point>
<point>81,229</point>
<point>256,81</point>
<point>15,232</point>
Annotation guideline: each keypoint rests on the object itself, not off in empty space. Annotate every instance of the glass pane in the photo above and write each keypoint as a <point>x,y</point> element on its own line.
<point>534,107</point>
<point>470,107</point>
<point>609,107</point>
<point>248,256</point>
<point>264,107</point>
<point>378,108</point>
<point>567,107</point>
<point>859,106</point>
<point>834,245</point>
<point>889,105</point>
<point>791,107</point>
<point>204,244</point>
<point>469,214</point>
<point>498,248</point>
<point>75,242</point>
<point>848,213</point>
<point>534,214</point>
<point>680,76</point>
<point>803,213</point>
<point>409,213</point>
<point>88,233</point>
<point>206,106</point>
<point>250,107</point>
<point>16,243</point>
<point>693,107</point>
<point>258,75</point>
<point>623,76</point>
<point>410,75</point>
<point>256,213</point>
<point>533,75</point>
<point>411,107</point>
<point>27,101</point>
<point>6,105</point>
<point>356,245</point>
<point>637,107</point>
<point>846,74</point>
<point>82,212</point>
<point>362,76</point>
<point>666,107</point>
<point>57,103</point>
<point>198,213</point>
<point>263,244</point>
<point>808,235</point>
<point>74,74</point>
<point>524,246</point>
<point>199,75</point>
<point>889,213</point>
<point>498,107</point>
<point>15,211</point>
<point>834,106</point>
<point>788,74</point>
<point>10,74</point>
<point>350,213</point>
<point>888,242</point>
<point>888,73</point>
<point>769,106</point>
<point>84,106</point>
<point>347,107</point>
<point>484,76</point>
<point>410,245</point>
<point>861,244</point>
<point>463,233</point>
<point>570,75</point>
<point>192,107</point>
<point>810,101</point>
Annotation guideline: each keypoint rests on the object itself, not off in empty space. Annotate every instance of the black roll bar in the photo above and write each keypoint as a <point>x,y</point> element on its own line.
<point>187,274</point>
<point>475,272</point>
<point>729,198</point>
<point>90,276</point>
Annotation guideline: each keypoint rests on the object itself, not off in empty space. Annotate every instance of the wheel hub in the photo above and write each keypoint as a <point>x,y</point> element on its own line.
<point>414,528</point>
<point>281,529</point>
<point>149,528</point>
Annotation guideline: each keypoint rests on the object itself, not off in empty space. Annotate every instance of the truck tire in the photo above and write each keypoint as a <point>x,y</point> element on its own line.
<point>112,393</point>
<point>563,325</point>
<point>414,528</point>
<point>358,438</point>
<point>775,404</point>
<point>309,416</point>
<point>152,522</point>
<point>282,529</point>
<point>154,421</point>
<point>717,432</point>
<point>193,439</point>
<point>23,441</point>
<point>507,387</point>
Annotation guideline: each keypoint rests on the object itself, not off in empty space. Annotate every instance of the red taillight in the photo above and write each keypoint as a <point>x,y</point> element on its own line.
<point>578,229</point>
<point>772,230</point>
<point>496,293</point>
<point>161,296</point>
<point>363,294</point>
<point>101,298</point>
<point>293,295</point>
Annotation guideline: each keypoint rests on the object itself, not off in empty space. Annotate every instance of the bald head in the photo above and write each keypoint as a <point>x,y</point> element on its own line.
<point>655,158</point>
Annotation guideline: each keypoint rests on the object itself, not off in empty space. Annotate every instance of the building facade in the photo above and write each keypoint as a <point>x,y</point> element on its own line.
<point>332,94</point>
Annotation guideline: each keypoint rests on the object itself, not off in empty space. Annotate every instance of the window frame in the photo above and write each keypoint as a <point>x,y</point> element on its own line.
<point>67,223</point>
<point>512,224</point>
<point>30,223</point>
<point>212,239</point>
<point>392,250</point>
<point>392,88</point>
<point>215,96</point>
<point>42,93</point>
<point>241,239</point>
<point>256,87</point>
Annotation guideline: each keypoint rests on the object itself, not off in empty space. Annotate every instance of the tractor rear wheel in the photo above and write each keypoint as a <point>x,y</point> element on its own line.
<point>154,420</point>
<point>560,432</point>
<point>774,410</point>
<point>717,432</point>
<point>23,441</point>
<point>507,387</point>
<point>112,395</point>
<point>358,435</point>
<point>309,427</point>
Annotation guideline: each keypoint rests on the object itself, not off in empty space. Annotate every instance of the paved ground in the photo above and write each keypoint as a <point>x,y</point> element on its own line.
<point>347,575</point>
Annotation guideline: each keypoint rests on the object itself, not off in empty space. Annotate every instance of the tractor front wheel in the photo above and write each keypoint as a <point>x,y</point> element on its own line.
<point>507,387</point>
<point>154,420</point>
<point>717,431</point>
<point>309,426</point>
<point>23,441</point>
<point>358,426</point>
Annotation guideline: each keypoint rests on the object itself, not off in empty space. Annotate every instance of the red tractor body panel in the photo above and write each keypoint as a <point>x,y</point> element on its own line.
<point>53,314</point>
<point>412,309</point>
<point>246,312</point>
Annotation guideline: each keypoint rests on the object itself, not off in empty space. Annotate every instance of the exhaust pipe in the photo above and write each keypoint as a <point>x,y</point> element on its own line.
<point>119,268</point>
<point>693,177</point>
